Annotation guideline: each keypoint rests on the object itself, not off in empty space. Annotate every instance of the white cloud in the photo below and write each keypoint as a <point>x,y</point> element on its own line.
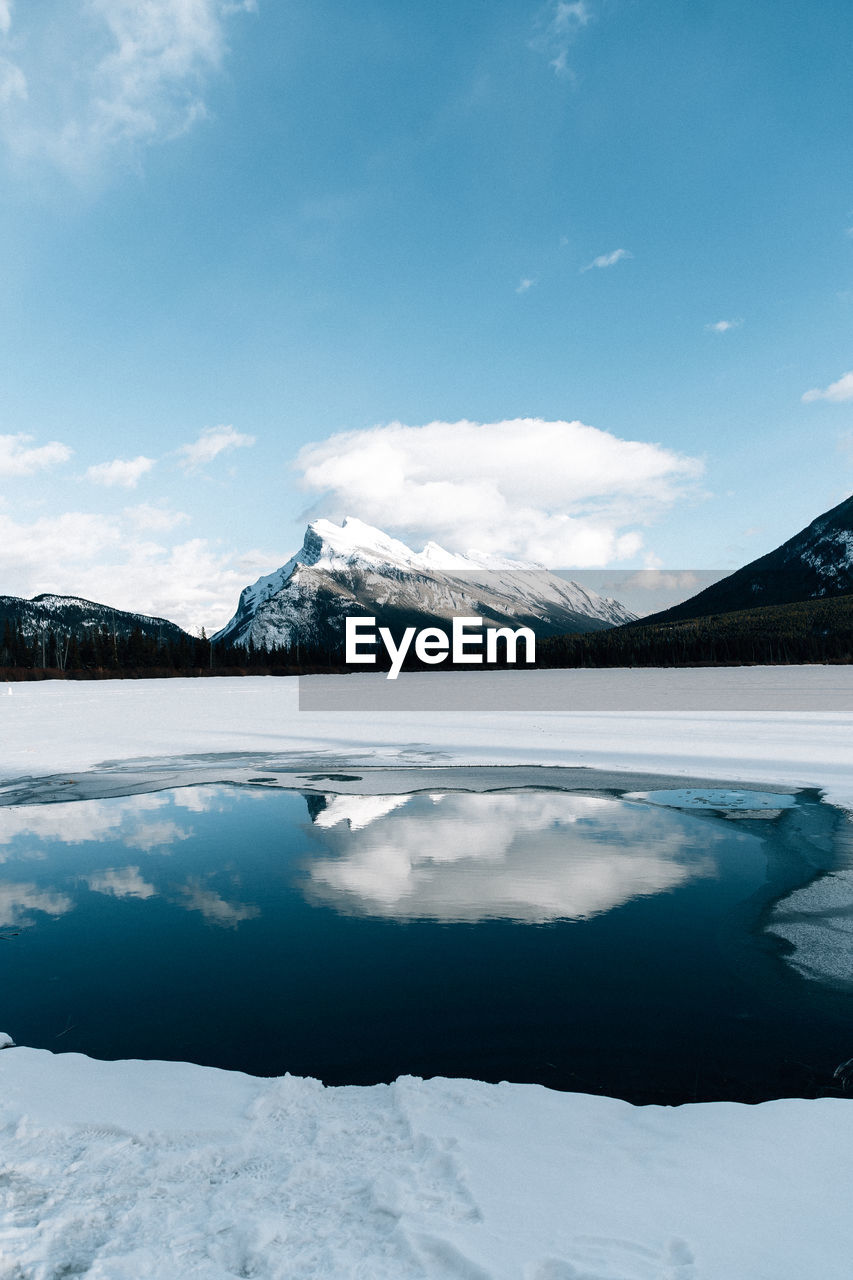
<point>558,27</point>
<point>560,493</point>
<point>525,283</point>
<point>191,583</point>
<point>50,546</point>
<point>723,326</point>
<point>837,392</point>
<point>211,442</point>
<point>568,17</point>
<point>86,76</point>
<point>608,259</point>
<point>125,472</point>
<point>101,558</point>
<point>16,459</point>
<point>155,519</point>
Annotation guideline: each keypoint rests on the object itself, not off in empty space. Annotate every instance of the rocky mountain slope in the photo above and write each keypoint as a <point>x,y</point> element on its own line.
<point>354,569</point>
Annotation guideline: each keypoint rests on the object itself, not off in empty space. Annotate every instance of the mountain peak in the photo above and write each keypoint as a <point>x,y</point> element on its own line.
<point>354,539</point>
<point>354,565</point>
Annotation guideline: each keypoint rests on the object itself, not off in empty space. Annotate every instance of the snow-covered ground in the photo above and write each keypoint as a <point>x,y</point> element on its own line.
<point>129,1171</point>
<point>161,1171</point>
<point>54,727</point>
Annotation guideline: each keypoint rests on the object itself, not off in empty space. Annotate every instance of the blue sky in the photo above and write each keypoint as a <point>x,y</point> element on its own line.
<point>231,232</point>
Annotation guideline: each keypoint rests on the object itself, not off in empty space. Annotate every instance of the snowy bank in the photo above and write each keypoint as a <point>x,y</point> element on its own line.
<point>131,1170</point>
<point>54,727</point>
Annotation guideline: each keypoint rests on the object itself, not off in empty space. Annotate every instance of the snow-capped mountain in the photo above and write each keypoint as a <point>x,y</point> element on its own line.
<point>355,569</point>
<point>817,562</point>
<point>74,616</point>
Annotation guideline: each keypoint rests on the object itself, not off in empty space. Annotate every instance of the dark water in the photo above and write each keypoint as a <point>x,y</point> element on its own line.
<point>584,942</point>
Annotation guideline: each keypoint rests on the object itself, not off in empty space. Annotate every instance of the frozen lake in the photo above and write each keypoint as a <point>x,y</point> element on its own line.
<point>591,941</point>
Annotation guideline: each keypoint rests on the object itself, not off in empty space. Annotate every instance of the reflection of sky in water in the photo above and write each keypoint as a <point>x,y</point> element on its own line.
<point>132,821</point>
<point>333,936</point>
<point>19,901</point>
<point>148,824</point>
<point>458,856</point>
<point>524,856</point>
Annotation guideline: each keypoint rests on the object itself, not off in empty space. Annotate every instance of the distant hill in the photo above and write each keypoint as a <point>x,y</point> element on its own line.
<point>59,632</point>
<point>816,563</point>
<point>71,614</point>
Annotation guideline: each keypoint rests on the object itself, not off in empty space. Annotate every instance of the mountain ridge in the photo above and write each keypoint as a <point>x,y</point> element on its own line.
<point>815,563</point>
<point>354,568</point>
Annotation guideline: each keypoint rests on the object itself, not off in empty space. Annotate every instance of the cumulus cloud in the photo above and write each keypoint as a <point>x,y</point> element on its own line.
<point>525,283</point>
<point>837,392</point>
<point>723,326</point>
<point>18,459</point>
<point>607,259</point>
<point>82,77</point>
<point>51,544</point>
<point>192,583</point>
<point>124,472</point>
<point>209,445</point>
<point>559,493</point>
<point>103,558</point>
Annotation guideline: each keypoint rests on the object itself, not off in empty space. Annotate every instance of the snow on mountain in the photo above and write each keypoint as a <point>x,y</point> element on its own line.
<point>72,615</point>
<point>354,568</point>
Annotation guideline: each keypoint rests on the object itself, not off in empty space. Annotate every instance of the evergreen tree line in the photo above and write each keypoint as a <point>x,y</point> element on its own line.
<point>57,652</point>
<point>808,631</point>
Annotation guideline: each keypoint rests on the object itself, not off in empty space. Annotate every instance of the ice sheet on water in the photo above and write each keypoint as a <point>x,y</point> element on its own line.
<point>716,798</point>
<point>818,922</point>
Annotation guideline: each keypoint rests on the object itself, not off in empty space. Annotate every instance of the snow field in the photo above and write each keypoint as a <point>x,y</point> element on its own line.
<point>149,1170</point>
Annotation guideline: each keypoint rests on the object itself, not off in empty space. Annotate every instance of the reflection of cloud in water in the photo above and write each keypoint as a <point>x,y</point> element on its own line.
<point>120,882</point>
<point>214,908</point>
<point>18,900</point>
<point>523,856</point>
<point>89,821</point>
<point>202,799</point>
<point>154,835</point>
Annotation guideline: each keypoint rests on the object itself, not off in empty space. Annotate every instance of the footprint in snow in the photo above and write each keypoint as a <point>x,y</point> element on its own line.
<point>601,1258</point>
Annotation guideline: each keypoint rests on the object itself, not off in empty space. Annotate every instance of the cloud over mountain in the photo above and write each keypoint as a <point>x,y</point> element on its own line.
<point>559,493</point>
